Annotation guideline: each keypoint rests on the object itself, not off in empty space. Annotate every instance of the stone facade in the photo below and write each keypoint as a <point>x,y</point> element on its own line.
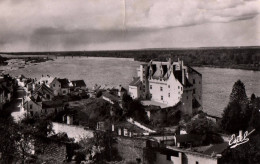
<point>167,83</point>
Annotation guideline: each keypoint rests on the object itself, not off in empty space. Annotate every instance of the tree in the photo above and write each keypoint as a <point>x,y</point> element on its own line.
<point>238,93</point>
<point>136,110</point>
<point>205,127</point>
<point>235,117</point>
<point>8,131</point>
<point>98,149</point>
<point>255,116</point>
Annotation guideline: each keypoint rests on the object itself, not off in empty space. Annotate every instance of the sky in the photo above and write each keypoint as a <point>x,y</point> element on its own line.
<point>64,25</point>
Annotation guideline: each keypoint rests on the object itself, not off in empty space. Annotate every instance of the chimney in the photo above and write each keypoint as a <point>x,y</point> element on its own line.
<point>113,127</point>
<point>119,131</point>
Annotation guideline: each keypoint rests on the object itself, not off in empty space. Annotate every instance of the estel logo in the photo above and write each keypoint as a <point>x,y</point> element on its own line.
<point>241,139</point>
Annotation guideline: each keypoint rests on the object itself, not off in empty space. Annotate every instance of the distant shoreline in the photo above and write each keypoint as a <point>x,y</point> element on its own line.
<point>245,58</point>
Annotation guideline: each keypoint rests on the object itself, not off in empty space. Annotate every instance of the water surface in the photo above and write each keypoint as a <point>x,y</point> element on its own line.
<point>217,82</point>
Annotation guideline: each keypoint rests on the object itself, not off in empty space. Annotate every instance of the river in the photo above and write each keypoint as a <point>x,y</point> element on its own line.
<point>217,82</point>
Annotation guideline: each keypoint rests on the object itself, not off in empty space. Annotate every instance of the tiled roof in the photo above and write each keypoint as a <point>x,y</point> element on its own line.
<point>79,83</point>
<point>110,96</point>
<point>218,148</point>
<point>52,104</point>
<point>43,88</point>
<point>129,127</point>
<point>64,83</point>
<point>136,81</point>
<point>193,70</point>
<point>188,138</point>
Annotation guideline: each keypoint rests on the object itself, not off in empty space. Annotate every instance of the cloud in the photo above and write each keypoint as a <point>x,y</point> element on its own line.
<point>48,24</point>
<point>169,13</point>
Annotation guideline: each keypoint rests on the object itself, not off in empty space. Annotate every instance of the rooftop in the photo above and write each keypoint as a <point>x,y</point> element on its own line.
<point>79,83</point>
<point>136,81</point>
<point>64,83</point>
<point>154,103</point>
<point>52,104</point>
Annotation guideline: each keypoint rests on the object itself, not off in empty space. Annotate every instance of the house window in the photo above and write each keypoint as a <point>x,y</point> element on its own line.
<point>194,82</point>
<point>151,87</point>
<point>161,97</point>
<point>194,91</point>
<point>169,86</point>
<point>53,85</point>
<point>151,95</point>
<point>48,96</point>
<point>199,82</point>
<point>161,88</point>
<point>31,113</point>
<point>168,157</point>
<point>30,106</point>
<point>178,87</point>
<point>197,162</point>
<point>187,97</point>
<point>169,95</point>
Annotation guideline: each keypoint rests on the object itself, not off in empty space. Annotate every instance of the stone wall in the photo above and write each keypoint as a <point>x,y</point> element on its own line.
<point>130,149</point>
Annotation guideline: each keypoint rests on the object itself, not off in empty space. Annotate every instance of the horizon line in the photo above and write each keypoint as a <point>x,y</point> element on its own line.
<point>141,49</point>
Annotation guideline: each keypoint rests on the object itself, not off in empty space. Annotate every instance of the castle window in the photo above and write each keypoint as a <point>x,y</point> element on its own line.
<point>194,81</point>
<point>53,85</point>
<point>169,95</point>
<point>151,87</point>
<point>178,87</point>
<point>30,106</point>
<point>181,88</point>
<point>187,97</point>
<point>161,88</point>
<point>197,162</point>
<point>169,86</point>
<point>161,97</point>
<point>194,91</point>
<point>199,82</point>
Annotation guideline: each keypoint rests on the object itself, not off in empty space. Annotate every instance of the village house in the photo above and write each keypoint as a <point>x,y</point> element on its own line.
<point>45,80</point>
<point>202,155</point>
<point>78,84</point>
<point>166,84</point>
<point>55,85</point>
<point>32,106</point>
<point>64,86</point>
<point>49,107</point>
<point>44,92</point>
